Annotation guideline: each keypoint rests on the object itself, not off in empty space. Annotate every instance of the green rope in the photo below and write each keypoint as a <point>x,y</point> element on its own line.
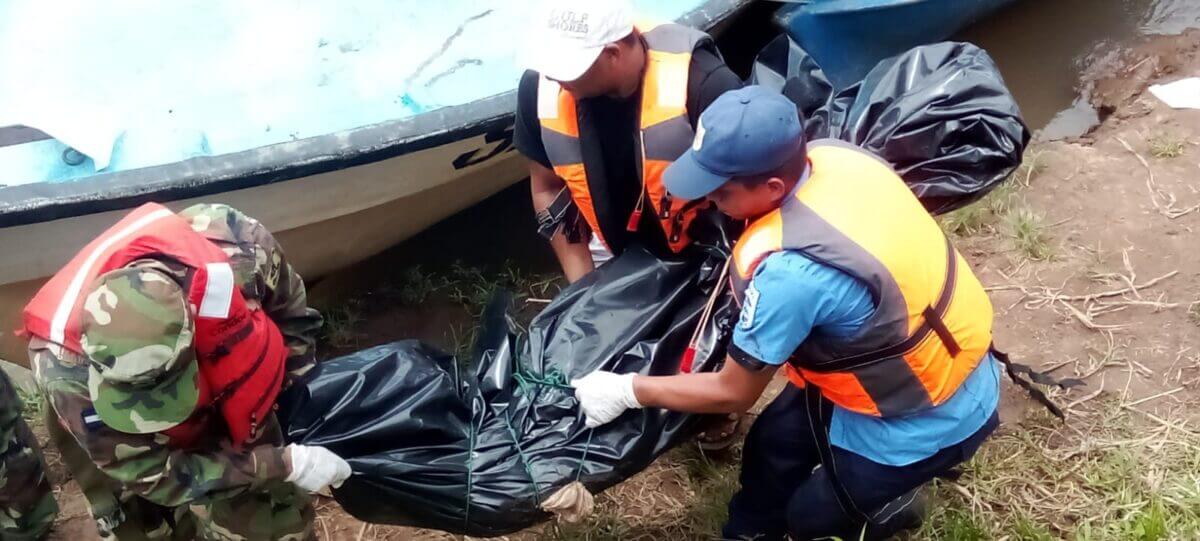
<point>527,382</point>
<point>524,460</point>
<point>470,467</point>
<point>583,458</point>
<point>553,378</point>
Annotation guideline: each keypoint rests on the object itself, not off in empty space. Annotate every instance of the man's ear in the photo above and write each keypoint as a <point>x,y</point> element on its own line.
<point>778,188</point>
<point>612,51</point>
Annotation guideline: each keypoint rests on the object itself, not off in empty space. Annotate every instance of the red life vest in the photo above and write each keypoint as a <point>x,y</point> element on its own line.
<point>240,351</point>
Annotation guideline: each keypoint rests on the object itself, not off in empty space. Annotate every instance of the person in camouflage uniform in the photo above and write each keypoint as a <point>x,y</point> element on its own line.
<point>27,507</point>
<point>137,486</point>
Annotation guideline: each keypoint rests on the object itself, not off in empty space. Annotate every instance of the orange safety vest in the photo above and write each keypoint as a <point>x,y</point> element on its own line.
<point>240,351</point>
<point>664,132</point>
<point>933,320</point>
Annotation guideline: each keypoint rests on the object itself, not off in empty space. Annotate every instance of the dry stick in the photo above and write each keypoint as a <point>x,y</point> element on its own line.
<point>1164,422</point>
<point>1155,193</point>
<point>1128,380</point>
<point>1149,398</point>
<point>1132,278</point>
<point>1088,397</point>
<point>1056,366</point>
<point>1087,321</point>
<point>1087,297</point>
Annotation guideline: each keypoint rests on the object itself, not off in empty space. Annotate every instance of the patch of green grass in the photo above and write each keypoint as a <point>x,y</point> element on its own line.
<point>415,286</point>
<point>1025,529</point>
<point>1028,232</point>
<point>1146,524</point>
<point>1031,166</point>
<point>951,524</point>
<point>474,287</point>
<point>33,403</point>
<point>1106,476</point>
<point>341,329</point>
<point>605,525</point>
<point>1165,146</point>
<point>967,221</point>
<point>978,217</point>
<point>1000,200</point>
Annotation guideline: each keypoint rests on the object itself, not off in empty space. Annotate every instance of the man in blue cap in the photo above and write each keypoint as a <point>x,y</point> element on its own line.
<point>845,281</point>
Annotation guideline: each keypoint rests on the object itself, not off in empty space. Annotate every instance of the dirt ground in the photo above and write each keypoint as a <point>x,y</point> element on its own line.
<point>1091,257</point>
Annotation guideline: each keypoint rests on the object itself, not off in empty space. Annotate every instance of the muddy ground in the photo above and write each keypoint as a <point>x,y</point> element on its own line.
<point>1091,256</point>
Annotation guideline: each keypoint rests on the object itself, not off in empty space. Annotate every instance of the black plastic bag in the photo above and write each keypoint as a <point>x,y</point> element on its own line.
<point>475,453</point>
<point>940,114</point>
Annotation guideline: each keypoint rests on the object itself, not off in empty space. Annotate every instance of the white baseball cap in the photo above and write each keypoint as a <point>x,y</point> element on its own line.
<point>567,36</point>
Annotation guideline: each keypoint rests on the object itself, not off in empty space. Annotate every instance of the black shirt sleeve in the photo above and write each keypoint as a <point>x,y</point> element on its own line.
<point>527,131</point>
<point>708,78</point>
<point>748,361</point>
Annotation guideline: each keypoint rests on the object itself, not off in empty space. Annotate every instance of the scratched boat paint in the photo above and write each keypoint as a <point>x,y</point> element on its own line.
<point>138,83</point>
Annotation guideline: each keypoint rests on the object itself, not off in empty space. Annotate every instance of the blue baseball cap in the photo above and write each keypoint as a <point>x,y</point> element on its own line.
<point>745,132</point>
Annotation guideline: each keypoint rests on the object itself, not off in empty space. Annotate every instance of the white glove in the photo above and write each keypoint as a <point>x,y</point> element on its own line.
<point>604,396</point>
<point>314,468</point>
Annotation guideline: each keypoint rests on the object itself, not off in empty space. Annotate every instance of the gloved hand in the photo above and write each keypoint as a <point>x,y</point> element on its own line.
<point>604,396</point>
<point>314,468</point>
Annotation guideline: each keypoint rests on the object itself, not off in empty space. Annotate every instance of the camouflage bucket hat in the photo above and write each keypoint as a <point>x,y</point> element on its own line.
<point>137,333</point>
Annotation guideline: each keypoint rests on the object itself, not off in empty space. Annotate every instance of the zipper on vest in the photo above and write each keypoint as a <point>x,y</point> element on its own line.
<point>676,227</point>
<point>665,205</point>
<point>261,400</point>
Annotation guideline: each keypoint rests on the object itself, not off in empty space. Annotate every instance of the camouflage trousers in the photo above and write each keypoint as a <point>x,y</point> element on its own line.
<point>280,512</point>
<point>27,507</point>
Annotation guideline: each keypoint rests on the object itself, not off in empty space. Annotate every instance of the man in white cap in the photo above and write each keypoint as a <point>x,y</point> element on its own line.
<point>606,106</point>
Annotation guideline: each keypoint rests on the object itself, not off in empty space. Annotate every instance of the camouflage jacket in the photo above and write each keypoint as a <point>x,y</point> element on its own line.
<point>143,463</point>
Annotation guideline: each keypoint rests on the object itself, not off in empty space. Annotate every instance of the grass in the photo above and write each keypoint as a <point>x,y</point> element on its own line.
<point>980,216</point>
<point>33,403</point>
<point>1166,146</point>
<point>967,221</point>
<point>645,509</point>
<point>1031,166</point>
<point>342,325</point>
<point>1102,476</point>
<point>468,287</point>
<point>1028,232</point>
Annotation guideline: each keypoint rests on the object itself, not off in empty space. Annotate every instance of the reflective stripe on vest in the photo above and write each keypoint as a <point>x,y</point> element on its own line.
<point>933,320</point>
<point>240,351</point>
<point>665,132</point>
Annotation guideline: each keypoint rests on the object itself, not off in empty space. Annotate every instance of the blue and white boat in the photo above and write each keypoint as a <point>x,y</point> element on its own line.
<point>848,37</point>
<point>345,127</point>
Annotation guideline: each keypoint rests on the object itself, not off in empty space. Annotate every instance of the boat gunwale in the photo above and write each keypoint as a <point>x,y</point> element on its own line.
<point>205,175</point>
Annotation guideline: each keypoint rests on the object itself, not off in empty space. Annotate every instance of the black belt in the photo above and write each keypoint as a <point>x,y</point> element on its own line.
<point>933,323</point>
<point>561,214</point>
<point>820,432</point>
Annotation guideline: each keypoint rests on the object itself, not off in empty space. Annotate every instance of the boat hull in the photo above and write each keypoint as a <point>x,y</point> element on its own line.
<point>876,29</point>
<point>325,221</point>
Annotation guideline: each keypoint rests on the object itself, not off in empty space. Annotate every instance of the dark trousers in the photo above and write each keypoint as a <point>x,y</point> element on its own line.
<point>784,492</point>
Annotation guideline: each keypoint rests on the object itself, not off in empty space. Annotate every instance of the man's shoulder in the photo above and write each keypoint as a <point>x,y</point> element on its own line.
<point>527,91</point>
<point>221,222</point>
<point>792,273</point>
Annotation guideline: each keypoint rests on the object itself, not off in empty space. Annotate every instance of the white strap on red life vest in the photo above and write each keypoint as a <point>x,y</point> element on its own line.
<point>85,272</point>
